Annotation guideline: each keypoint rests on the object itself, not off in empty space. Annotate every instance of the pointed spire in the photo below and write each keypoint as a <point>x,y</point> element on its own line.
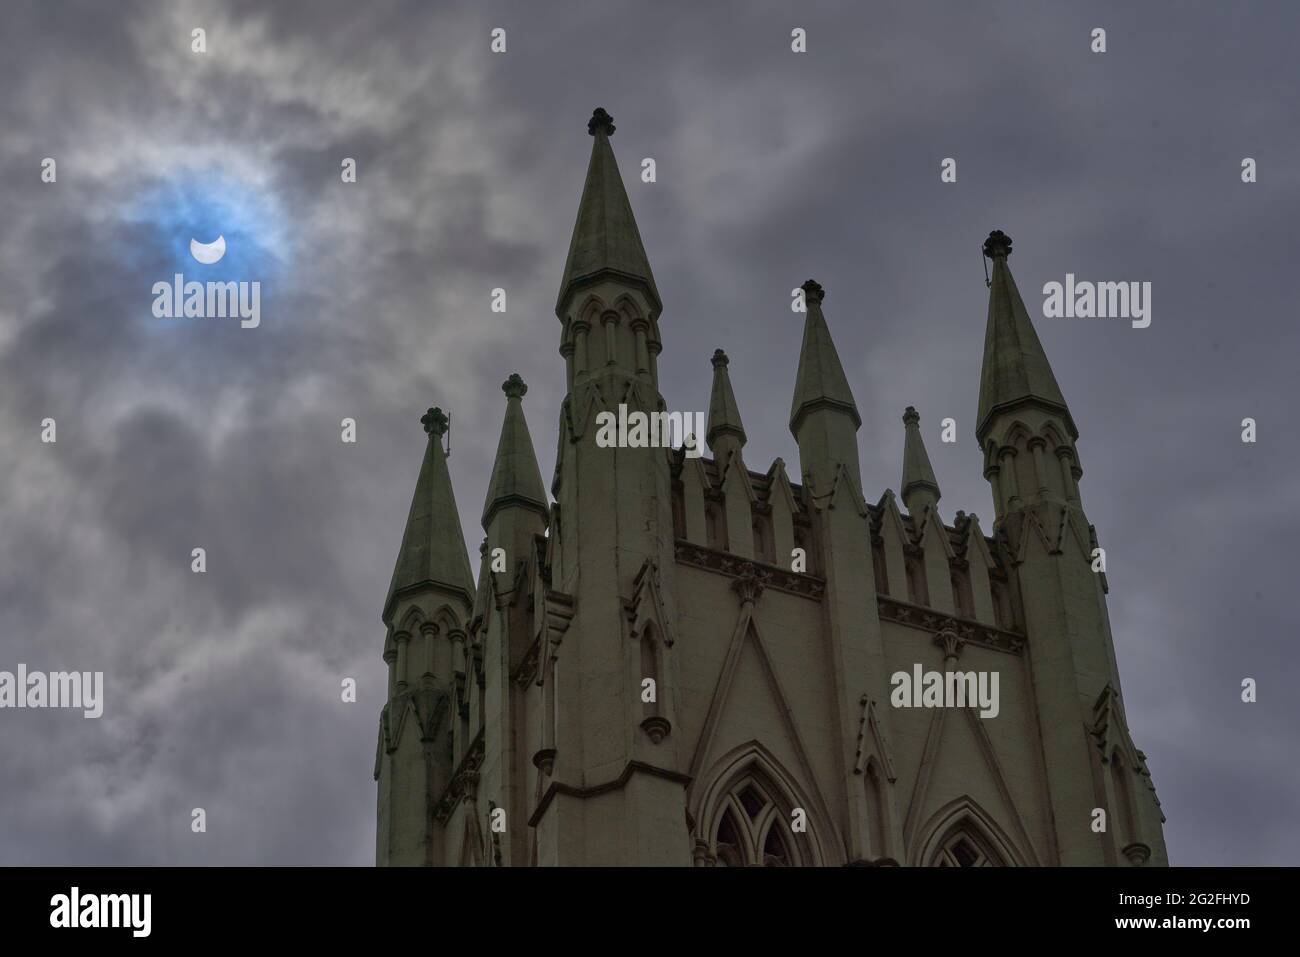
<point>821,382</point>
<point>726,431</point>
<point>516,479</point>
<point>1015,367</point>
<point>606,241</point>
<point>433,547</point>
<point>919,488</point>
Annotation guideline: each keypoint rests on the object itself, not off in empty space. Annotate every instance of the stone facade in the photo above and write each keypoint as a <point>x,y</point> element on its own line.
<point>767,615</point>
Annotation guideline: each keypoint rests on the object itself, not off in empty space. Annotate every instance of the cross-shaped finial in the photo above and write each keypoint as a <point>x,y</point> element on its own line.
<point>514,387</point>
<point>434,422</point>
<point>813,291</point>
<point>998,244</point>
<point>600,120</point>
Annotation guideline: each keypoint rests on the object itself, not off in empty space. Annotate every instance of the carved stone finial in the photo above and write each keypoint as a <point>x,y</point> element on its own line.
<point>911,416</point>
<point>434,422</point>
<point>813,291</point>
<point>600,121</point>
<point>514,387</point>
<point>720,359</point>
<point>998,244</point>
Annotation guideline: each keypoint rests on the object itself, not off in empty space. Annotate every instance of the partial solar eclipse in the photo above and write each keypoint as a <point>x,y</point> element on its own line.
<point>208,253</point>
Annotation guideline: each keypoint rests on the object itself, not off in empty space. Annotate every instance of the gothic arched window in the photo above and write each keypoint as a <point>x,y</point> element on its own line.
<point>750,830</point>
<point>776,853</point>
<point>729,843</point>
<point>753,828</point>
<point>962,834</point>
<point>963,847</point>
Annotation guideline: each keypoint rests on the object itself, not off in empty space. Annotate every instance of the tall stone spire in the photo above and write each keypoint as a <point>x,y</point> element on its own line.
<point>606,242</point>
<point>516,480</point>
<point>919,488</point>
<point>611,560</point>
<point>1027,436</point>
<point>433,546</point>
<point>821,382</point>
<point>1015,370</point>
<point>726,431</point>
<point>823,416</point>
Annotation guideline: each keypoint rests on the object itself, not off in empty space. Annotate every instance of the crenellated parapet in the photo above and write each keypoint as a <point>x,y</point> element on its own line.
<point>760,516</point>
<point>908,551</point>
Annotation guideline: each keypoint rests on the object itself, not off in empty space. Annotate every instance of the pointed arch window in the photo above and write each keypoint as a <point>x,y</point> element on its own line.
<point>962,834</point>
<point>753,828</point>
<point>963,847</point>
<point>729,843</point>
<point>776,853</point>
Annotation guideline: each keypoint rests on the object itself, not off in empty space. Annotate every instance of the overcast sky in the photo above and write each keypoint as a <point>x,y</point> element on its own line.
<point>773,167</point>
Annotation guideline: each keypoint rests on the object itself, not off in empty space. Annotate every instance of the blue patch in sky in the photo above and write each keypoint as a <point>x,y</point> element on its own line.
<point>202,206</point>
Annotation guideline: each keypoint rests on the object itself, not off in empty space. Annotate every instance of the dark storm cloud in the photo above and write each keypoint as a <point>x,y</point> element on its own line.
<point>223,688</point>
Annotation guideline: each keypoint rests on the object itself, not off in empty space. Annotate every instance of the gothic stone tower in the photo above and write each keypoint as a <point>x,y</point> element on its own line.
<point>767,616</point>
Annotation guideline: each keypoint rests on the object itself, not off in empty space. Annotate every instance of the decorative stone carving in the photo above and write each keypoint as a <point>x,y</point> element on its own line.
<point>950,642</point>
<point>544,761</point>
<point>463,784</point>
<point>749,585</point>
<point>656,728</point>
<point>769,576</point>
<point>1138,854</point>
<point>966,630</point>
<point>527,670</point>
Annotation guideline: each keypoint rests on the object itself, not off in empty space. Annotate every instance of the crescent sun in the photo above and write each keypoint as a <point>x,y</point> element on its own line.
<point>208,253</point>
